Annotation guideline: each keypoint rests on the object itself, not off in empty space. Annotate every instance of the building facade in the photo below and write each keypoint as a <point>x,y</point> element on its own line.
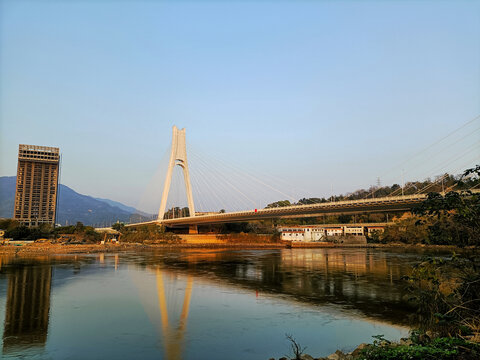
<point>302,233</point>
<point>309,233</point>
<point>37,184</point>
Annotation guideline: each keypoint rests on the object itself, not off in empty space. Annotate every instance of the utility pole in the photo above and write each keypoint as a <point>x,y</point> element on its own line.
<point>379,184</point>
<point>403,180</point>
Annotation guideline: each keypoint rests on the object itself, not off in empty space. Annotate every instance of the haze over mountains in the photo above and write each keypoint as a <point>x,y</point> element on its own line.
<point>73,207</point>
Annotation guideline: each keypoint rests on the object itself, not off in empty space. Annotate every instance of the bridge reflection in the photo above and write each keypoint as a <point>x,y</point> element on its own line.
<point>173,338</point>
<point>165,297</point>
<point>357,280</point>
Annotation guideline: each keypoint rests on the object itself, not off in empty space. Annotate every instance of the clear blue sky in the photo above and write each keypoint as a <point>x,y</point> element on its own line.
<point>322,93</point>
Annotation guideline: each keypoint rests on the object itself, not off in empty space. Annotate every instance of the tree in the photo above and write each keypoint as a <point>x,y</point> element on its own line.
<point>280,203</point>
<point>455,216</point>
<point>8,224</point>
<point>79,227</point>
<point>344,218</point>
<point>118,226</point>
<point>307,201</point>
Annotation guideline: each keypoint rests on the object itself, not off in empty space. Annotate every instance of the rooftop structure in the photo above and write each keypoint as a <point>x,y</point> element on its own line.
<point>37,183</point>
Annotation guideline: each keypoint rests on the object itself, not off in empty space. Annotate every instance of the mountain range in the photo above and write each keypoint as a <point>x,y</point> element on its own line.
<point>73,207</point>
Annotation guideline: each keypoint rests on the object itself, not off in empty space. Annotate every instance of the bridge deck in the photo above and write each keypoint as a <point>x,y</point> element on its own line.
<point>349,206</point>
<point>389,203</point>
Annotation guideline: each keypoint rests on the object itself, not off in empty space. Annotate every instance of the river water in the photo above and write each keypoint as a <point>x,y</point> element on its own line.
<point>201,304</point>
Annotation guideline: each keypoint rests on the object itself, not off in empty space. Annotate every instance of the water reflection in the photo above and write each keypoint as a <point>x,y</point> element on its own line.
<point>28,306</point>
<point>173,337</point>
<point>223,289</point>
<point>359,280</point>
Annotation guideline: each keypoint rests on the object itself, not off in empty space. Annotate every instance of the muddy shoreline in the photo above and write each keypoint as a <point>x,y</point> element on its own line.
<point>41,249</point>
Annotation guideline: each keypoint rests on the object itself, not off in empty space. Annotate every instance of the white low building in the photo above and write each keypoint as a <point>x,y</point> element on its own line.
<point>334,231</point>
<point>293,235</point>
<point>353,230</point>
<point>302,233</point>
<point>307,233</point>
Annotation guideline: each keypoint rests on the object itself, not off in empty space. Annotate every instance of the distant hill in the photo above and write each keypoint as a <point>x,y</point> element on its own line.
<point>124,207</point>
<point>73,207</point>
<point>7,196</point>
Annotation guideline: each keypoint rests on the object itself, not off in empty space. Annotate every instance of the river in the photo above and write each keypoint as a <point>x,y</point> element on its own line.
<point>201,304</point>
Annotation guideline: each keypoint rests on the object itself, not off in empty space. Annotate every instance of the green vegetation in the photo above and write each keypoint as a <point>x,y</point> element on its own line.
<point>419,346</point>
<point>176,212</point>
<point>445,292</point>
<point>442,183</point>
<point>16,231</point>
<point>263,227</point>
<point>79,232</point>
<point>280,203</point>
<point>449,219</point>
<point>452,219</point>
<point>407,231</point>
<point>145,234</point>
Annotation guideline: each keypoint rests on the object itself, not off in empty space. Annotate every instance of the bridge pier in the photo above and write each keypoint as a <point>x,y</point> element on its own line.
<point>193,229</point>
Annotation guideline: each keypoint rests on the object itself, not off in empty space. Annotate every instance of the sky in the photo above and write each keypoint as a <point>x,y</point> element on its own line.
<point>320,96</point>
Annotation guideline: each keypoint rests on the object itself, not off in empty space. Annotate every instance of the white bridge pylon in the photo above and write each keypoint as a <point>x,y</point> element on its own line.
<point>178,156</point>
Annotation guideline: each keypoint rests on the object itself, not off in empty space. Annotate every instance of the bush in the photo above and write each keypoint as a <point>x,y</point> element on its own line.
<point>447,295</point>
<point>148,233</point>
<point>17,231</point>
<point>422,347</point>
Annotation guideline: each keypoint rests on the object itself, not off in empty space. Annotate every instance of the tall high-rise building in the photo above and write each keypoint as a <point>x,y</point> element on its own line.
<point>37,183</point>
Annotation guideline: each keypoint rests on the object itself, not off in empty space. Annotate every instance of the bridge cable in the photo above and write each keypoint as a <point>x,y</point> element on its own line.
<point>431,146</point>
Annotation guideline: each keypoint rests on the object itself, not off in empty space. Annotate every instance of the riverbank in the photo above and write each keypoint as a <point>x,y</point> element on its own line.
<point>121,247</point>
<point>48,248</point>
<point>412,348</point>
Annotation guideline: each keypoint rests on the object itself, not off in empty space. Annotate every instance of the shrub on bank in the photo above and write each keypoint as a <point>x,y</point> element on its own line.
<point>16,231</point>
<point>420,348</point>
<point>246,238</point>
<point>147,234</point>
<point>446,294</point>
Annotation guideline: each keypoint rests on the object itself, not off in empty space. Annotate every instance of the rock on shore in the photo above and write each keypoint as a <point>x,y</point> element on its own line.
<point>337,355</point>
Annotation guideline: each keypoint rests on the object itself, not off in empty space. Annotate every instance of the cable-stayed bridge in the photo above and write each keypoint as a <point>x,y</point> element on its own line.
<point>178,157</point>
